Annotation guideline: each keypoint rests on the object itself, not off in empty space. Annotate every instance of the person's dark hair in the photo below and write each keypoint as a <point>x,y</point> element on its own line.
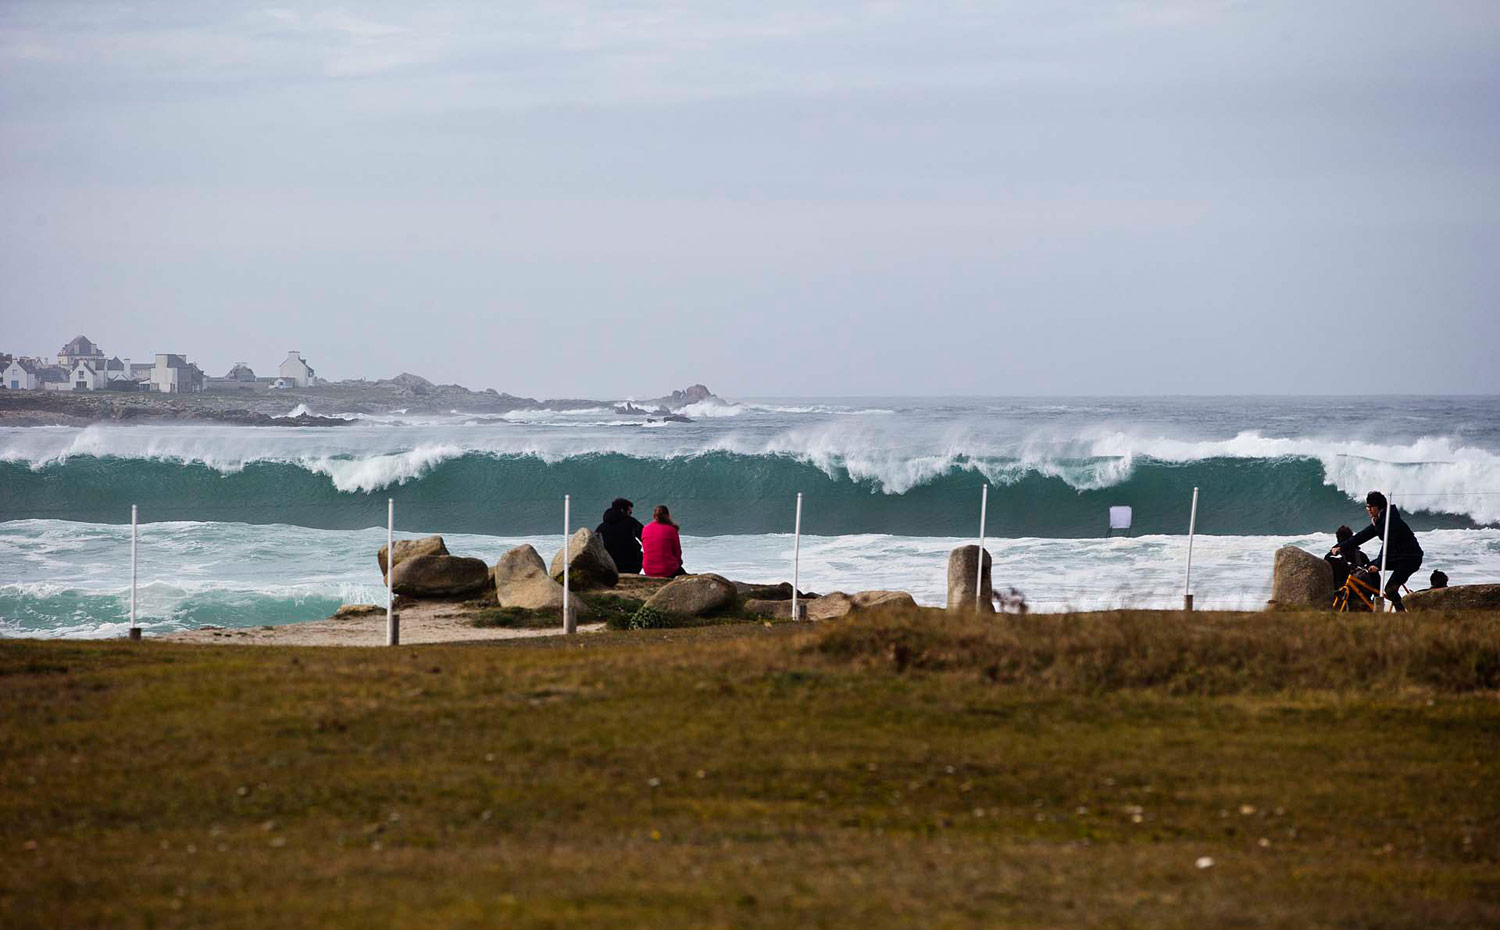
<point>1375,499</point>
<point>662,515</point>
<point>1342,533</point>
<point>620,503</point>
<point>1439,579</point>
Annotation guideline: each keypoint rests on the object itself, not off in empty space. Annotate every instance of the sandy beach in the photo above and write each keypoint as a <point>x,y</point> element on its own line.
<point>422,623</point>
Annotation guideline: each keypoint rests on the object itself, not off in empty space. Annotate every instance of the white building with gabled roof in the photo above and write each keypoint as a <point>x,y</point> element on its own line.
<point>296,370</point>
<point>22,375</point>
<point>87,375</point>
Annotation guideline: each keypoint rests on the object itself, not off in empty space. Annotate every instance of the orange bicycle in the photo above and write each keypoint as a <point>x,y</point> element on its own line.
<point>1358,593</point>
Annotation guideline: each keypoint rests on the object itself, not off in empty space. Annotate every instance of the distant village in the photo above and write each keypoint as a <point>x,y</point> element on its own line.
<point>83,366</point>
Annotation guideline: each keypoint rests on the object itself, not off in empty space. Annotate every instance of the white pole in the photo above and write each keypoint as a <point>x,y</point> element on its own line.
<point>570,624</point>
<point>1187,583</point>
<point>135,633</point>
<point>392,624</point>
<point>1385,551</point>
<point>984,504</point>
<point>797,557</point>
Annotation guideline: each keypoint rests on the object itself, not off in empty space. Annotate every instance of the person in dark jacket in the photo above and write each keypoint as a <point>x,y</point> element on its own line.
<point>1405,555</point>
<point>1349,557</point>
<point>621,534</point>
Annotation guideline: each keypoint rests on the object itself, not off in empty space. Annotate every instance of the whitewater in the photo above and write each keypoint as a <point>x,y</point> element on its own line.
<point>264,525</point>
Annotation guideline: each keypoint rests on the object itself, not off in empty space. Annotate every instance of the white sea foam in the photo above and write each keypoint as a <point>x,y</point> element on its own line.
<point>707,409</point>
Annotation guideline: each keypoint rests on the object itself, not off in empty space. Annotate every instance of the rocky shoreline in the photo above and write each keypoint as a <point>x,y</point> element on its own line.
<point>321,406</point>
<point>441,597</point>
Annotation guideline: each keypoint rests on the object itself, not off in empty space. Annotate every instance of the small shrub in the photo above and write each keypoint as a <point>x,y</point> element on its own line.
<point>649,618</point>
<point>613,609</point>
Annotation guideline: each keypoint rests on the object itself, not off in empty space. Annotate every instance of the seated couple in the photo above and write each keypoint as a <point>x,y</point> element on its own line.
<point>654,550</point>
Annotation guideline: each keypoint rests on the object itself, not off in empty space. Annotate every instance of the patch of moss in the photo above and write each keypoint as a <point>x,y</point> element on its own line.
<point>514,618</point>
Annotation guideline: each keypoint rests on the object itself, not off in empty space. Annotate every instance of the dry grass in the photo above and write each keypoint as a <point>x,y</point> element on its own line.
<point>886,771</point>
<point>1186,653</point>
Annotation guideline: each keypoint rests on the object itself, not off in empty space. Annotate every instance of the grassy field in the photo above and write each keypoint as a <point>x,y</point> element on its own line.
<point>917,770</point>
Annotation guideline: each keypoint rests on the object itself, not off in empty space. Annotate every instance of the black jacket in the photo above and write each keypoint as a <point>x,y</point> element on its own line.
<point>622,537</point>
<point>1351,555</point>
<point>1403,540</point>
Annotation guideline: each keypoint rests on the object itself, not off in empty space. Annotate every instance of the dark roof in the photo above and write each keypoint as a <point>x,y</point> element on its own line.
<point>27,365</point>
<point>55,374</point>
<point>80,346</point>
<point>114,364</point>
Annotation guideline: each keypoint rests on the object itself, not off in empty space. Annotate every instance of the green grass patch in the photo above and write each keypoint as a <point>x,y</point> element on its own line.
<point>890,770</point>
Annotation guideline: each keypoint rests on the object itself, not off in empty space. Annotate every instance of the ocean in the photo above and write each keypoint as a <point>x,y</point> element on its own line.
<point>248,526</point>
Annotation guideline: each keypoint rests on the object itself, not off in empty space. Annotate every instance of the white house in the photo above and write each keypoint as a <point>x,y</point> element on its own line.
<point>174,374</point>
<point>21,375</point>
<point>97,375</point>
<point>296,370</point>
<point>80,349</point>
<point>87,375</point>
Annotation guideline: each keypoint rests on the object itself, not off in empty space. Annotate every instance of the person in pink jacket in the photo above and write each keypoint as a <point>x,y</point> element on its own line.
<point>661,546</point>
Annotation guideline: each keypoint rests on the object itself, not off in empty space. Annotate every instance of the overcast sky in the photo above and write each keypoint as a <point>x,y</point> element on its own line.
<point>612,199</point>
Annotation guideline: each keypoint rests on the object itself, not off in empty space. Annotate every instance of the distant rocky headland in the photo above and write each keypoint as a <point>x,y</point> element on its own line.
<point>325,404</point>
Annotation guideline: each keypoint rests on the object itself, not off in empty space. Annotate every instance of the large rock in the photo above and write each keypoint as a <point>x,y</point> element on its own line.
<point>961,571</point>
<point>406,548</point>
<point>764,592</point>
<point>694,596</point>
<point>1458,597</point>
<point>1301,580</point>
<point>768,609</point>
<point>439,576</point>
<point>590,564</point>
<point>865,600</point>
<point>521,580</point>
<point>639,587</point>
<point>830,606</point>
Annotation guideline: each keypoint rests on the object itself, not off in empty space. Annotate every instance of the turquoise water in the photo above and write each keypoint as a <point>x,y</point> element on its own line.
<point>245,526</point>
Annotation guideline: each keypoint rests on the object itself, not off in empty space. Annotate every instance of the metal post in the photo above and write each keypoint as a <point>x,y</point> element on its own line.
<point>392,622</point>
<point>984,504</point>
<point>797,559</point>
<point>135,631</point>
<point>1187,583</point>
<point>570,623</point>
<point>1385,550</point>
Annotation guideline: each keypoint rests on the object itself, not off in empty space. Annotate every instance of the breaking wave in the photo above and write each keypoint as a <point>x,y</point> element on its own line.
<point>1249,484</point>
